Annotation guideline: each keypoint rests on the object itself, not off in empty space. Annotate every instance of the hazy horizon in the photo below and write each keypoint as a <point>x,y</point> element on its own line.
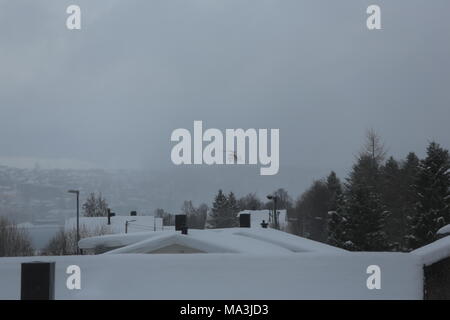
<point>109,95</point>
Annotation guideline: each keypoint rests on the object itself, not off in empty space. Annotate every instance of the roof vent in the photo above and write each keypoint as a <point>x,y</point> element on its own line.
<point>180,222</point>
<point>264,224</point>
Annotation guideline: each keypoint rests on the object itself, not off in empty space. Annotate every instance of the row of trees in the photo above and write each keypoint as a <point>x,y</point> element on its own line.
<point>382,205</point>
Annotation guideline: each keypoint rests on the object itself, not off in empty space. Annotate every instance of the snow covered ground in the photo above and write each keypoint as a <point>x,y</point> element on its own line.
<point>235,263</point>
<point>228,276</point>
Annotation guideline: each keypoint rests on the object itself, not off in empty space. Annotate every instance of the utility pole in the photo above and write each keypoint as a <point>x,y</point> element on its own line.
<point>77,192</point>
<point>275,215</point>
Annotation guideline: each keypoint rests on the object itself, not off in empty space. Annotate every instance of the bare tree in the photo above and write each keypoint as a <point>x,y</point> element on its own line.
<point>65,241</point>
<point>196,216</point>
<point>95,206</point>
<point>374,147</point>
<point>250,202</point>
<point>14,241</point>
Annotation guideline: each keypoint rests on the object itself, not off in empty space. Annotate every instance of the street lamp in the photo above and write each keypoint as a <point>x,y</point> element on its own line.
<point>77,192</point>
<point>275,216</point>
<point>126,224</point>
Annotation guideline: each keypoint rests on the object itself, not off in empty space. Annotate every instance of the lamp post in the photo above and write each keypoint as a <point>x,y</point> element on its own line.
<point>77,192</point>
<point>126,225</point>
<point>275,216</point>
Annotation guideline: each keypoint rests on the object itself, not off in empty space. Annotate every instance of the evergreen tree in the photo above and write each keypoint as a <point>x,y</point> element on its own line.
<point>432,190</point>
<point>233,207</point>
<point>312,208</point>
<point>410,170</point>
<point>224,211</point>
<point>392,193</point>
<point>363,211</point>
<point>335,190</point>
<point>366,219</point>
<point>337,225</point>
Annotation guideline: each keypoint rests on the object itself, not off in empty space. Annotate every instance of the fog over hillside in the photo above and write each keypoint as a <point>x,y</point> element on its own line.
<point>28,194</point>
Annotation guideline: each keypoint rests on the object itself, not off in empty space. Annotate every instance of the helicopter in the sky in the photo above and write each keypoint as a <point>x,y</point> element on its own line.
<point>232,155</point>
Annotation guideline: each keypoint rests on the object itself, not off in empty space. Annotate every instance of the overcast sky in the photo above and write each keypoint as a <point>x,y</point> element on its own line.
<point>111,94</point>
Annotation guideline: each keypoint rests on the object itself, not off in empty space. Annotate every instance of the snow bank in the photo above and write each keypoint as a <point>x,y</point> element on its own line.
<point>227,276</point>
<point>115,240</point>
<point>444,230</point>
<point>208,242</point>
<point>434,252</point>
<point>285,240</point>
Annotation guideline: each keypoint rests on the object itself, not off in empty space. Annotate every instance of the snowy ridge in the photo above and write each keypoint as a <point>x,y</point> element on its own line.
<point>236,240</point>
<point>444,230</point>
<point>206,242</point>
<point>434,252</point>
<point>289,241</point>
<point>116,240</point>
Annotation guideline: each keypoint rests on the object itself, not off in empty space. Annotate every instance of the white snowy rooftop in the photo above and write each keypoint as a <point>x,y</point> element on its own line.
<point>230,240</point>
<point>444,230</point>
<point>140,223</point>
<point>434,252</point>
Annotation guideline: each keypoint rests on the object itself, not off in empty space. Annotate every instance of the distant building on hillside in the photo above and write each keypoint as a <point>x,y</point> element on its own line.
<point>117,224</point>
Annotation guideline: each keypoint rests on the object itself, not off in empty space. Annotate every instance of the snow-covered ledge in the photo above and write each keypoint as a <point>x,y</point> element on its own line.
<point>444,231</point>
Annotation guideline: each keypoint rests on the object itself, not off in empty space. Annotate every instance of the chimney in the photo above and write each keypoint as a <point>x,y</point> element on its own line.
<point>264,224</point>
<point>244,220</point>
<point>37,281</point>
<point>180,222</point>
<point>133,213</point>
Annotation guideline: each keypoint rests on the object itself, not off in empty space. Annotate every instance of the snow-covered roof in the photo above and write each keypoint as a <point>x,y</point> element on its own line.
<point>140,223</point>
<point>257,217</point>
<point>230,276</point>
<point>230,240</point>
<point>434,252</point>
<point>444,230</point>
